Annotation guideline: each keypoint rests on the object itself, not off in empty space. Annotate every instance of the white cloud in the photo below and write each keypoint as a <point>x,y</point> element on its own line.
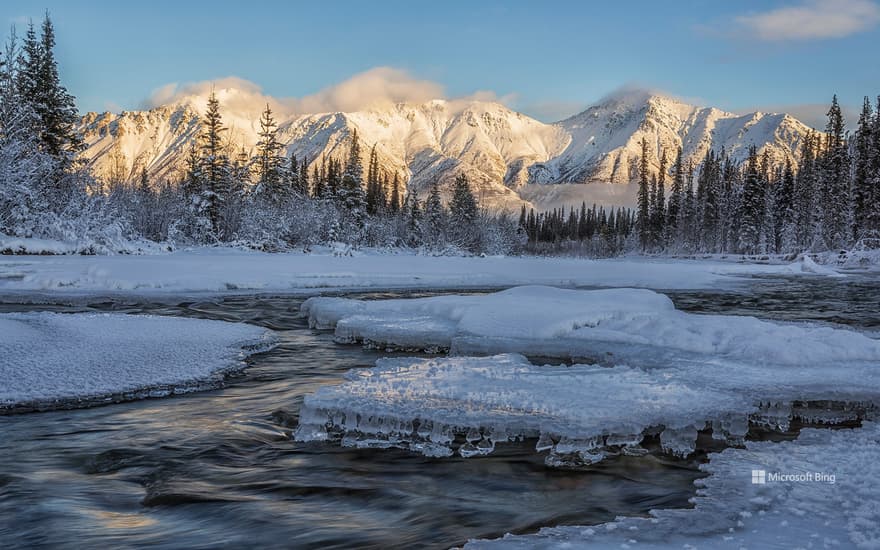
<point>813,19</point>
<point>373,88</point>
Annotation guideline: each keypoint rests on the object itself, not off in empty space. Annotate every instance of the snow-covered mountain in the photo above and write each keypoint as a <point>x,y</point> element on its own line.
<point>499,149</point>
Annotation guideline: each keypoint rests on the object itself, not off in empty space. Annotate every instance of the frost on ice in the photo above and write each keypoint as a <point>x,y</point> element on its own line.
<point>685,373</point>
<point>732,512</point>
<point>52,359</point>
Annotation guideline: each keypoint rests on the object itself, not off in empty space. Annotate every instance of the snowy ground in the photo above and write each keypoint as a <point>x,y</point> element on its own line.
<point>229,270</point>
<point>811,510</point>
<point>52,359</point>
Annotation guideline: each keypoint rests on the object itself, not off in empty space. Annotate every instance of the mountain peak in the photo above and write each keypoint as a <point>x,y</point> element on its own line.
<point>433,140</point>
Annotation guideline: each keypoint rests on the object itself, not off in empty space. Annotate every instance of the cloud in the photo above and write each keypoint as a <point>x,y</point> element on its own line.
<point>812,20</point>
<point>235,94</point>
<point>374,88</point>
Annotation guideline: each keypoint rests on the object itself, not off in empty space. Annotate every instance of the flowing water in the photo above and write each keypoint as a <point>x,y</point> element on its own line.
<point>219,468</point>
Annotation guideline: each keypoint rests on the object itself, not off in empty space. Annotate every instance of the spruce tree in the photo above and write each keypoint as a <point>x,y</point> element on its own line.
<point>872,215</point>
<point>862,180</point>
<point>395,193</point>
<point>269,160</point>
<point>40,87</point>
<point>644,200</point>
<point>834,181</point>
<point>752,215</point>
<point>351,190</point>
<point>434,214</point>
<point>214,166</point>
<point>463,214</point>
<point>463,207</point>
<point>676,198</point>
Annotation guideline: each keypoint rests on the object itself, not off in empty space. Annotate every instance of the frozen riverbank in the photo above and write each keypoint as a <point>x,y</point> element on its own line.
<point>229,270</point>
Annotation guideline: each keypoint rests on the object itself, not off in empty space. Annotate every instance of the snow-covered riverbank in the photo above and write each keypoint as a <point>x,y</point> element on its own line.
<point>232,270</point>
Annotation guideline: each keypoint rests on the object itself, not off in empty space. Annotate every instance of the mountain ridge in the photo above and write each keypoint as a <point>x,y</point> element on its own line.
<point>498,148</point>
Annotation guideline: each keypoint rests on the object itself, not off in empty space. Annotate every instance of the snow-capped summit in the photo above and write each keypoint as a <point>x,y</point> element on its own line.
<point>499,149</point>
<point>606,138</point>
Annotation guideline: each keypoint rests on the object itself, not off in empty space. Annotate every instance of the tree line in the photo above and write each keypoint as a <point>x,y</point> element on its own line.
<point>829,200</point>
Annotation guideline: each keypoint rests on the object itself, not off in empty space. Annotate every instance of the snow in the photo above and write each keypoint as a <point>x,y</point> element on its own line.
<point>33,246</point>
<point>224,270</point>
<point>633,324</point>
<point>52,359</point>
<point>671,371</point>
<point>731,512</point>
<point>808,265</point>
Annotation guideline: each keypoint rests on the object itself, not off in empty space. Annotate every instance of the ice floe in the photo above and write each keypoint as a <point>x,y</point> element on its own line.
<point>606,326</point>
<point>59,360</point>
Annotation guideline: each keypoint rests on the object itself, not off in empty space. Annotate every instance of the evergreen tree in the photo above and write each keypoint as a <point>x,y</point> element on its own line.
<point>214,166</point>
<point>463,207</point>
<point>40,86</point>
<point>786,210</point>
<point>872,214</point>
<point>290,178</point>
<point>351,189</point>
<point>834,174</point>
<point>862,176</point>
<point>676,198</point>
<point>395,194</point>
<point>269,160</point>
<point>463,214</point>
<point>644,200</point>
<point>414,218</point>
<point>374,186</point>
<point>752,215</point>
<point>435,216</point>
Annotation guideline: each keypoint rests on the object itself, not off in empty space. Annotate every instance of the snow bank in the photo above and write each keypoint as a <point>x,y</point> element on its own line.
<point>230,270</point>
<point>51,359</point>
<point>808,265</point>
<point>601,325</point>
<point>809,511</point>
<point>49,247</point>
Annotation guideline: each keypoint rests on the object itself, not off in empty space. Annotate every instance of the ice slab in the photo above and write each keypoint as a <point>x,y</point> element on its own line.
<point>606,326</point>
<point>54,359</point>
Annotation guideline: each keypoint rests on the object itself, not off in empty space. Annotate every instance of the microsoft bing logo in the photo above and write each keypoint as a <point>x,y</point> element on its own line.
<point>759,477</point>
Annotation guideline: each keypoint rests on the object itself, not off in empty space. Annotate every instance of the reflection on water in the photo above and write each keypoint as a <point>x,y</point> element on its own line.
<point>218,468</point>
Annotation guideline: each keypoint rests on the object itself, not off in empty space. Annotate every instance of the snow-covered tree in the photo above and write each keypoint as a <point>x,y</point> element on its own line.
<point>269,160</point>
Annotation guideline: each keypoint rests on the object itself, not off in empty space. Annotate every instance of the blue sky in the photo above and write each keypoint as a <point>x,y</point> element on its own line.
<point>548,59</point>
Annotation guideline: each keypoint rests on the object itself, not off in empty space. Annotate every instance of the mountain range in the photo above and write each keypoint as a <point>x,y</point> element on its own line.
<point>499,149</point>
